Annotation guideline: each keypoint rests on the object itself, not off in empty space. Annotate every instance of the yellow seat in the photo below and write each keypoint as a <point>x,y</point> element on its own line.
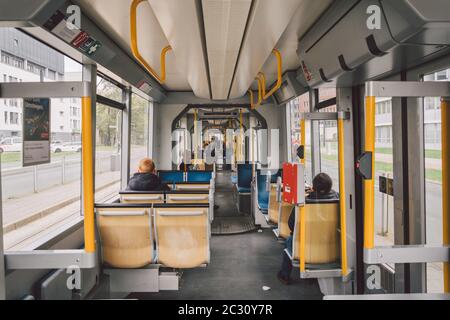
<point>141,197</point>
<point>125,236</point>
<point>182,235</point>
<point>274,205</point>
<point>284,212</point>
<point>321,236</point>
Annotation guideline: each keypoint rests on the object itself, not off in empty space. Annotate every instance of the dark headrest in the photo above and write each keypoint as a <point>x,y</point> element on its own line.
<point>321,201</point>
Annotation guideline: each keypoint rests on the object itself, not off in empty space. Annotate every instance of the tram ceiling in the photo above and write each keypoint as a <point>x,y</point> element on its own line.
<point>110,55</point>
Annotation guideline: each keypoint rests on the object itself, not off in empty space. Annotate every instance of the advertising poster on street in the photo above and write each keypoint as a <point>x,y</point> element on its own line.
<point>36,132</point>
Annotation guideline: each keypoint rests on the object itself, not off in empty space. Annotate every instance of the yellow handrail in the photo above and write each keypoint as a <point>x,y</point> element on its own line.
<point>445,114</point>
<point>277,86</point>
<point>88,175</point>
<point>369,185</point>
<point>261,78</point>
<point>260,95</point>
<point>342,198</point>
<point>135,50</point>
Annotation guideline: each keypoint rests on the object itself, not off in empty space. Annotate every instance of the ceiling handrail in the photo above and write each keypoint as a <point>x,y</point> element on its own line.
<point>135,50</point>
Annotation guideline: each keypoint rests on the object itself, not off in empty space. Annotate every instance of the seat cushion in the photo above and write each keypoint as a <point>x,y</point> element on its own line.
<point>244,190</point>
<point>263,205</point>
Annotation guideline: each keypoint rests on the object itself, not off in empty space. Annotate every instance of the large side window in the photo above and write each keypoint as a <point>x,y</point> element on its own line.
<point>295,108</point>
<point>328,137</point>
<point>107,151</point>
<point>38,198</point>
<point>433,179</point>
<point>140,111</point>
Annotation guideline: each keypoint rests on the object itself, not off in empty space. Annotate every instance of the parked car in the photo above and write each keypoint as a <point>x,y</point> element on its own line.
<point>66,147</point>
<point>11,144</point>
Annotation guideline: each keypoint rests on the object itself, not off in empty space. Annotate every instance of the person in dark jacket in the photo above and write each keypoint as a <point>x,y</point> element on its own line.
<point>146,179</point>
<point>321,190</point>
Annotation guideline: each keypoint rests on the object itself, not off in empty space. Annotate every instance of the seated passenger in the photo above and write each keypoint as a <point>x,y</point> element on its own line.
<point>321,189</point>
<point>146,179</point>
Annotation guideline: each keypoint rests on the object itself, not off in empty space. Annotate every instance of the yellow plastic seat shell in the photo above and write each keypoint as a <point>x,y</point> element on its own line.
<point>283,227</point>
<point>274,205</point>
<point>321,234</point>
<point>182,237</point>
<point>126,237</point>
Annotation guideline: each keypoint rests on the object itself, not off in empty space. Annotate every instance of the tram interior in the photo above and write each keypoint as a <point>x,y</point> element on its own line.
<point>240,104</point>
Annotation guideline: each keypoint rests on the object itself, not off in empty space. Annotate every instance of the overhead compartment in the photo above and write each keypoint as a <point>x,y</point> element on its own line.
<point>290,88</point>
<point>346,46</point>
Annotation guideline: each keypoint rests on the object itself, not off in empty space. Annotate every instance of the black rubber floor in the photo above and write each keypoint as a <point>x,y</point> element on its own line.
<point>227,218</point>
<point>241,264</point>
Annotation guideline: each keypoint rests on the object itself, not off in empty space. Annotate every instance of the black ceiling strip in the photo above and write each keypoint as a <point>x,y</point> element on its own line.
<point>326,103</point>
<point>111,103</point>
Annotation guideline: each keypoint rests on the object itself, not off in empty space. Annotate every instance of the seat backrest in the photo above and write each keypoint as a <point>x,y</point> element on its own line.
<point>171,176</point>
<point>187,197</point>
<point>187,186</point>
<point>182,235</point>
<point>141,197</point>
<point>261,181</point>
<point>199,176</point>
<point>284,213</point>
<point>244,175</point>
<point>321,234</point>
<point>125,235</point>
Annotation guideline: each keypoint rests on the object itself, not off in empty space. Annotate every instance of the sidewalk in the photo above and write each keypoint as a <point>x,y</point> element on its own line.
<point>21,211</point>
<point>429,162</point>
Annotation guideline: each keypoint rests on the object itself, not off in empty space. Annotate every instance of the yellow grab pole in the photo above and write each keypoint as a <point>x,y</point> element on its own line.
<point>369,185</point>
<point>241,140</point>
<point>88,175</point>
<point>302,209</point>
<point>303,139</point>
<point>445,114</point>
<point>135,50</point>
<point>342,198</point>
<point>196,137</point>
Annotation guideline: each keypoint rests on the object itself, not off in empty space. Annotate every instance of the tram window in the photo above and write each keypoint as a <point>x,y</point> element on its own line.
<point>26,59</point>
<point>329,162</point>
<point>140,110</point>
<point>327,94</point>
<point>109,90</point>
<point>433,180</point>
<point>294,108</point>
<point>384,159</point>
<point>28,192</point>
<point>107,151</point>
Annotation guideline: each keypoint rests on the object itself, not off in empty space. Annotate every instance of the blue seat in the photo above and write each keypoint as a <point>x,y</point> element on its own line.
<point>171,176</point>
<point>199,176</point>
<point>244,178</point>
<point>263,194</point>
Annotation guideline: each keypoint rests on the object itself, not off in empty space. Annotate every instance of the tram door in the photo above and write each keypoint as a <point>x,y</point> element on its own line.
<point>403,203</point>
